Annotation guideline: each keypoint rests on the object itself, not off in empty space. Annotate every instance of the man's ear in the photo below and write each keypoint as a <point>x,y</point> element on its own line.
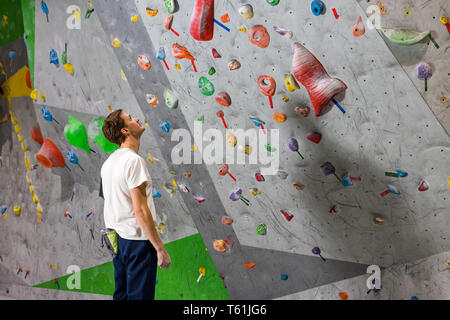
<point>124,131</point>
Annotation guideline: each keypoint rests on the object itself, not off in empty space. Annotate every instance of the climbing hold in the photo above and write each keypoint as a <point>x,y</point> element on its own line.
<point>165,126</point>
<point>287,215</point>
<point>155,193</point>
<point>293,146</point>
<point>383,9</point>
<point>134,18</point>
<point>267,86</point>
<point>249,265</point>
<point>161,55</point>
<point>269,148</point>
<point>316,250</point>
<point>69,68</point>
<point>151,12</point>
<point>211,71</point>
<point>219,245</point>
<point>95,133</point>
<point>286,99</point>
<point>310,72</point>
<point>206,87</point>
<point>202,20</point>
<point>144,62</point>
<point>259,36</point>
<point>347,180</point>
<point>261,230</point>
<point>424,71</point>
<point>54,57</point>
<point>220,114</point>
<point>17,210</point>
<point>73,158</point>
<point>200,118</point>
<point>227,220</point>
<point>89,12</point>
<point>242,29</point>
<point>390,189</point>
<point>33,94</point>
<point>258,122</point>
<point>423,186</point>
<point>225,18</point>
<point>187,174</point>
<point>259,177</point>
<point>234,64</point>
<point>49,155</point>
<point>378,221</point>
<point>317,7</point>
<point>283,32</point>
<point>75,133</point>
<point>327,168</point>
<point>284,277</point>
<point>231,139</point>
<point>298,186</point>
<point>282,174</point>
<point>273,2</point>
<point>445,22</point>
<point>44,8</point>
<point>170,5</point>
<point>224,170</point>
<point>171,99</point>
<point>162,228</point>
<point>358,29</point>
<point>343,295</point>
<point>279,116</point>
<point>36,134</point>
<point>223,98</point>
<point>254,191</point>
<point>302,110</point>
<point>404,37</point>
<point>151,99</point>
<point>247,149</point>
<point>216,54</point>
<point>168,24</point>
<point>236,194</point>
<point>246,11</point>
<point>198,198</point>
<point>290,82</point>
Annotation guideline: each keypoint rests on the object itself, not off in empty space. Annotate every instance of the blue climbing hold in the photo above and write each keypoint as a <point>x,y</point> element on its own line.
<point>284,277</point>
<point>54,57</point>
<point>317,7</point>
<point>155,193</point>
<point>165,126</point>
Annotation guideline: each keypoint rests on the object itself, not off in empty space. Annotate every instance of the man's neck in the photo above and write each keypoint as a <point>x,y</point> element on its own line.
<point>131,144</point>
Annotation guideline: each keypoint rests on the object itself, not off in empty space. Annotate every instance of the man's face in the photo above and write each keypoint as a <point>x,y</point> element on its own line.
<point>132,125</point>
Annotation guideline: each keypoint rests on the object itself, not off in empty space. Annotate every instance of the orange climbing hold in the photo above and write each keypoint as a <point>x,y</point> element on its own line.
<point>279,116</point>
<point>358,29</point>
<point>225,18</point>
<point>343,295</point>
<point>249,265</point>
<point>180,52</point>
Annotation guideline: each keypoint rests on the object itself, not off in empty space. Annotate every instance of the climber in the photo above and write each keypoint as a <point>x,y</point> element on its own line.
<point>130,211</point>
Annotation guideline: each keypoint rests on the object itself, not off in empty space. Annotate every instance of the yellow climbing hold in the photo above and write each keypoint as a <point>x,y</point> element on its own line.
<point>90,4</point>
<point>35,199</point>
<point>17,210</point>
<point>242,29</point>
<point>290,82</point>
<point>20,138</point>
<point>53,266</point>
<point>17,128</point>
<point>150,158</point>
<point>444,20</point>
<point>285,99</point>
<point>151,12</point>
<point>77,14</point>
<point>5,215</point>
<point>135,18</point>
<point>177,66</point>
<point>42,97</point>
<point>122,74</point>
<point>194,148</point>
<point>116,43</point>
<point>162,228</point>
<point>69,68</point>
<point>33,94</point>
<point>24,147</point>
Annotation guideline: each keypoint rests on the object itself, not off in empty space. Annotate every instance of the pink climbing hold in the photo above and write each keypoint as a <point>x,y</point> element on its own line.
<point>202,20</point>
<point>423,186</point>
<point>312,75</point>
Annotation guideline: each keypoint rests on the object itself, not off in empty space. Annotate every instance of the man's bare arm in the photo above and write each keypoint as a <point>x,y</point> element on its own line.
<point>145,221</point>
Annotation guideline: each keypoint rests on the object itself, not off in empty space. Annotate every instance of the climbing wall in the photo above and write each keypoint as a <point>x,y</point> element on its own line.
<point>297,233</point>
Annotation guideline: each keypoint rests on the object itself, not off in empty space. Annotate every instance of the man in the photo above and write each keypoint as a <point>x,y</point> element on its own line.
<point>130,211</point>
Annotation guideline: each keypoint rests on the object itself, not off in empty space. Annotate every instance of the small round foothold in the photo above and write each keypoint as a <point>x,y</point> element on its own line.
<point>317,7</point>
<point>284,277</point>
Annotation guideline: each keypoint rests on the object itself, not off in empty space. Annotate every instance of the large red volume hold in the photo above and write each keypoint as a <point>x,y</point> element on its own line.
<point>202,20</point>
<point>310,72</point>
<point>49,155</point>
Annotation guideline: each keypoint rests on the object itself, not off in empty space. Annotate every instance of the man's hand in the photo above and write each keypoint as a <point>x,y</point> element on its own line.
<point>163,259</point>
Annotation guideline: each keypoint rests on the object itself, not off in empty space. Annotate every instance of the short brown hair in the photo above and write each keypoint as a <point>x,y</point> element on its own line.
<point>112,126</point>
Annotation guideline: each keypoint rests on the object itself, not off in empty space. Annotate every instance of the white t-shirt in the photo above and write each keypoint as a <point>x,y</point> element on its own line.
<point>122,171</point>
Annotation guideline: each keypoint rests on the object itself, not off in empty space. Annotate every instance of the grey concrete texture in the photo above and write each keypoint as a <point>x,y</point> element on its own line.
<point>422,15</point>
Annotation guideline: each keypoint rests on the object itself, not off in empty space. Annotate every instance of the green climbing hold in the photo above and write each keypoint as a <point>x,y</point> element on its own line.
<point>88,13</point>
<point>95,133</point>
<point>201,118</point>
<point>273,2</point>
<point>170,5</point>
<point>206,87</point>
<point>269,148</point>
<point>75,133</point>
<point>211,71</point>
<point>171,100</point>
<point>404,37</point>
<point>261,230</point>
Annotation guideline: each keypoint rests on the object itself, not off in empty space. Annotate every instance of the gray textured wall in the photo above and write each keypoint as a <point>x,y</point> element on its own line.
<point>390,123</point>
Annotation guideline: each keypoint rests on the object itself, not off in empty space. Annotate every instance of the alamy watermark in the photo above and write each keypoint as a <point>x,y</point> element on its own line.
<point>237,146</point>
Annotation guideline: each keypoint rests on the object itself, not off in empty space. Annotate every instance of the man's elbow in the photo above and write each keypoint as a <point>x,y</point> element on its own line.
<point>139,212</point>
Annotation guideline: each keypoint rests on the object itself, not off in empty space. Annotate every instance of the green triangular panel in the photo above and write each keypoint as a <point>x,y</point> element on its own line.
<point>179,282</point>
